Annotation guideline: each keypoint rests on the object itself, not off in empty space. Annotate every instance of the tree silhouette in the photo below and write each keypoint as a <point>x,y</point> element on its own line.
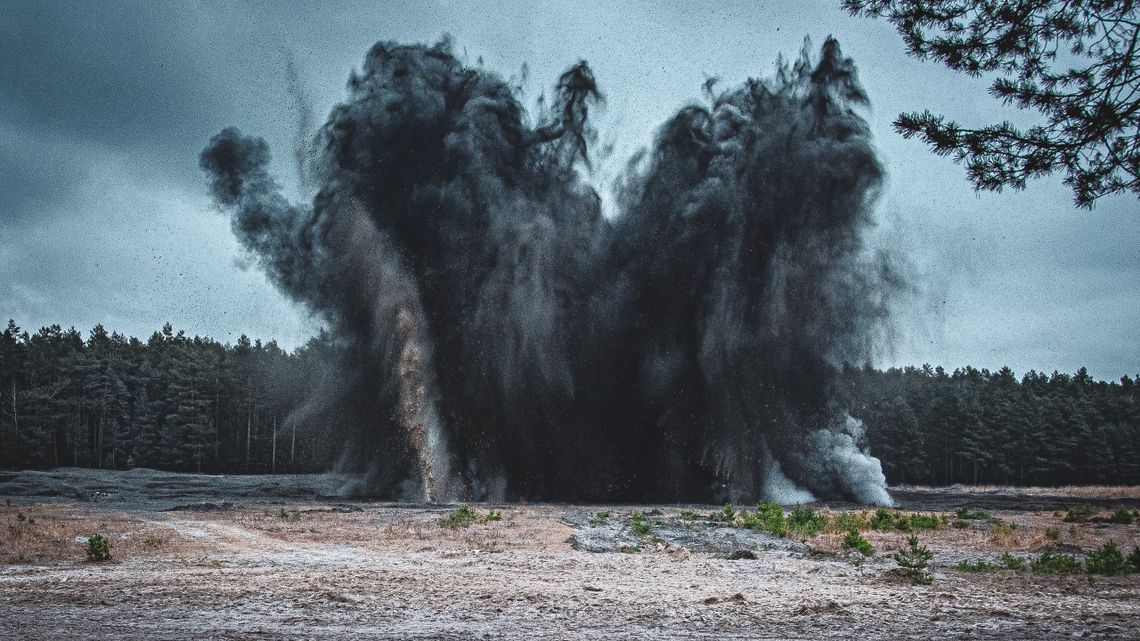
<point>1073,62</point>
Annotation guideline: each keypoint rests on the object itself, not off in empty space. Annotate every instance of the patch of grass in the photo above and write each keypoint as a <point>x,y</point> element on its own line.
<point>689,515</point>
<point>638,525</point>
<point>927,521</point>
<point>629,549</point>
<point>847,521</point>
<point>463,517</point>
<point>855,541</point>
<point>912,561</point>
<point>1011,562</point>
<point>289,515</point>
<point>1122,517</point>
<point>1008,562</point>
<point>1079,513</point>
<point>887,520</point>
<point>1052,563</point>
<point>1053,533</point>
<point>960,524</point>
<point>1003,532</point>
<point>806,522</point>
<point>883,519</point>
<point>727,513</point>
<point>965,514</point>
<point>1107,560</point>
<point>600,518</point>
<point>980,565</point>
<point>98,548</point>
<point>152,542</point>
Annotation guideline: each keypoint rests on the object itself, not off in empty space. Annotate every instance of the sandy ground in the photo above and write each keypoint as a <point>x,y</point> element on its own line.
<point>331,569</point>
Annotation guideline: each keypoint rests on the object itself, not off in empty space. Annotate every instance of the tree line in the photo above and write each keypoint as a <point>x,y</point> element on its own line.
<point>193,404</point>
<point>171,402</point>
<point>933,427</point>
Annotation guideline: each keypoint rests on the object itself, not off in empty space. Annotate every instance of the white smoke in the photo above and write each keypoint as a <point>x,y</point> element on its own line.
<point>778,488</point>
<point>835,454</point>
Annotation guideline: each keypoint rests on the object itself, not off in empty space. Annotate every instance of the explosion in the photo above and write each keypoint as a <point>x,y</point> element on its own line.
<point>502,339</point>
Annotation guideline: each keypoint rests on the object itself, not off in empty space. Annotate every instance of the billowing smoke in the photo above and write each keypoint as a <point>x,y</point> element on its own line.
<point>501,338</point>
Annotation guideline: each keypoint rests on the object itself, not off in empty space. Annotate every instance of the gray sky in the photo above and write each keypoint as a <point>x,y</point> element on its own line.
<point>104,215</point>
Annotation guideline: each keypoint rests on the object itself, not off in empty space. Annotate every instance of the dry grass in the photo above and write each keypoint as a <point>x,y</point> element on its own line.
<point>1023,532</point>
<point>1074,491</point>
<point>54,533</point>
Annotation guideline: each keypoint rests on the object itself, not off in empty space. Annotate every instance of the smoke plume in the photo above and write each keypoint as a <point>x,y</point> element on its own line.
<point>500,338</point>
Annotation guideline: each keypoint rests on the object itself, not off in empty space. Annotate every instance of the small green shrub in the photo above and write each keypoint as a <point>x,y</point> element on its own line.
<point>600,518</point>
<point>883,519</point>
<point>926,521</point>
<point>98,548</point>
<point>806,522</point>
<point>1052,563</point>
<point>152,542</point>
<point>855,541</point>
<point>728,512</point>
<point>1079,513</point>
<point>887,520</point>
<point>463,517</point>
<point>769,517</point>
<point>638,524</point>
<point>965,514</point>
<point>960,524</point>
<point>912,561</point>
<point>1107,560</point>
<point>1053,533</point>
<point>1008,562</point>
<point>1122,517</point>
<point>980,565</point>
<point>1011,562</point>
<point>689,515</point>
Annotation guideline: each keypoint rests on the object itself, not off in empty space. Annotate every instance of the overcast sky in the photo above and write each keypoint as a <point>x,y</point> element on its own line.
<point>104,215</point>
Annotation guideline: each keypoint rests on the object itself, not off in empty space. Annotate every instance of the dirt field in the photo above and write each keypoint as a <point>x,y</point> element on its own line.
<point>246,563</point>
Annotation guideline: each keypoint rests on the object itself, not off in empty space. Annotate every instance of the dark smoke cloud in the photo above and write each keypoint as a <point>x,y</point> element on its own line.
<point>500,337</point>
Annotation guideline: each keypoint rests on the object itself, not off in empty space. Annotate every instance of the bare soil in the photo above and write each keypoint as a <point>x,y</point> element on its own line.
<point>250,564</point>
